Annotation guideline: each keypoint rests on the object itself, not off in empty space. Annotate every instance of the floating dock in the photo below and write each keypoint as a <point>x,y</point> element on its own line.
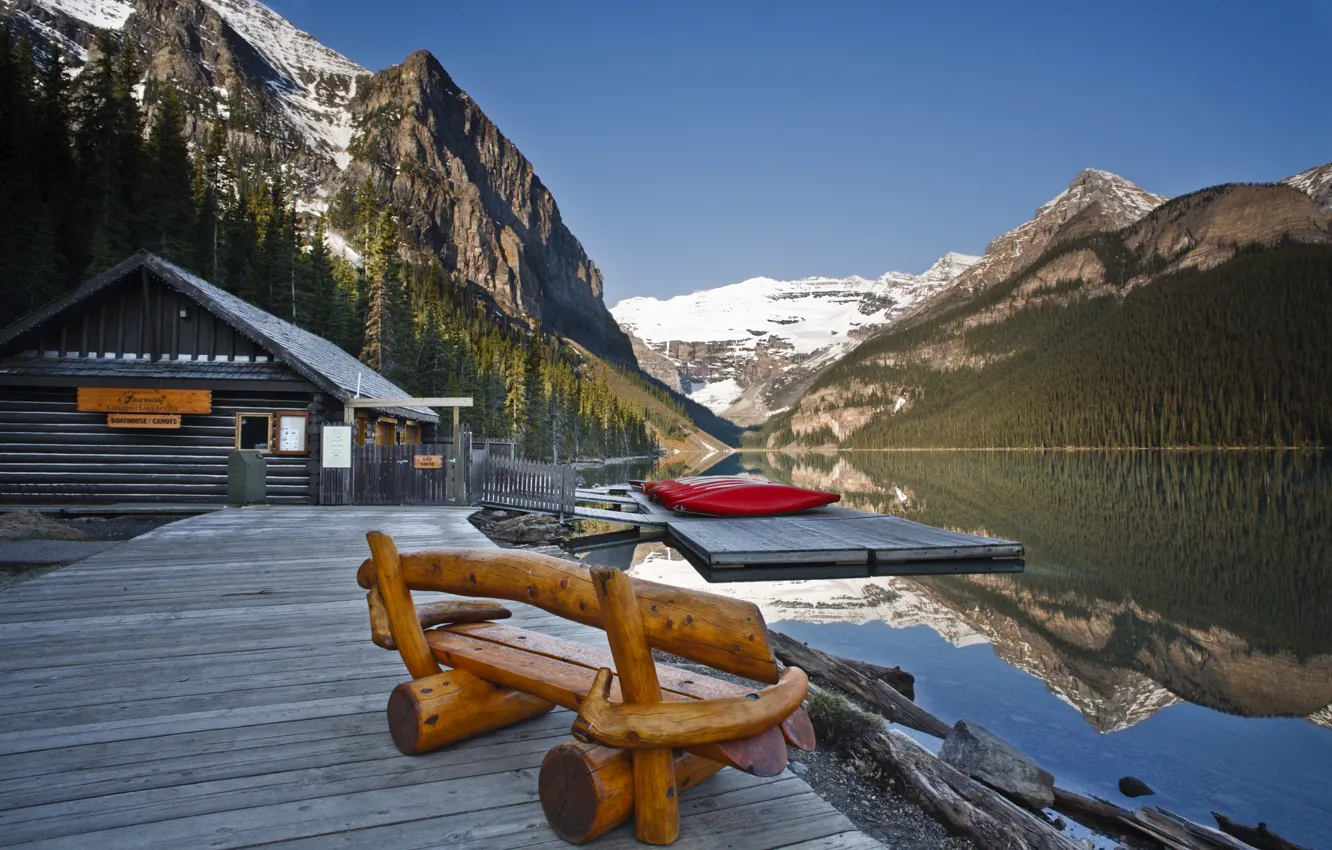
<point>830,542</point>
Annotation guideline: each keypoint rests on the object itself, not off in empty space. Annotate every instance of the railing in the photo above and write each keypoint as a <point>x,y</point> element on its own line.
<point>525,484</point>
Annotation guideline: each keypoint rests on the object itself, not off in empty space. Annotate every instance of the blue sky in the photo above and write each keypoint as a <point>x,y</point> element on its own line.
<point>694,144</point>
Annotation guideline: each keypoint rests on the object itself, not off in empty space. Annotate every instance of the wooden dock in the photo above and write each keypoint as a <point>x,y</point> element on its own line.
<point>212,684</point>
<point>824,543</point>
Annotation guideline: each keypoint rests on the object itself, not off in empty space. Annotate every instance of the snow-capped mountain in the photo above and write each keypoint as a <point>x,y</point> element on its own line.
<point>1316,183</point>
<point>737,347</point>
<point>469,195</point>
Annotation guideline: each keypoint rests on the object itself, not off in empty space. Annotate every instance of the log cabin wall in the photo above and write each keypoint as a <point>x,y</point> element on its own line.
<point>52,453</point>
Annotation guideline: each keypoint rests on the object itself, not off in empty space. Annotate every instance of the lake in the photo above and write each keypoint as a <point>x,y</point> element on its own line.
<point>1174,621</point>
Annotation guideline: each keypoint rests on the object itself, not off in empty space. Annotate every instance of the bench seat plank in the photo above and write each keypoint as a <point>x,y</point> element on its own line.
<point>567,683</point>
<point>797,729</point>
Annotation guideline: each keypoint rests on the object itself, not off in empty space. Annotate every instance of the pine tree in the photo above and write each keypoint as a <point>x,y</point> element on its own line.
<point>169,208</point>
<point>107,141</point>
<point>536,426</point>
<point>381,271</point>
<point>20,196</point>
<point>213,186</point>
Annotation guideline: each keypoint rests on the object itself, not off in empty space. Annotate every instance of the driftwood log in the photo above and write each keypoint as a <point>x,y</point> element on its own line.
<point>831,670</point>
<point>1259,836</point>
<point>960,802</point>
<point>1175,831</point>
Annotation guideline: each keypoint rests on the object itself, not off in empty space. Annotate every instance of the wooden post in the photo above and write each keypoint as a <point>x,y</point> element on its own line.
<point>588,790</point>
<point>455,474</point>
<point>656,800</point>
<point>397,599</point>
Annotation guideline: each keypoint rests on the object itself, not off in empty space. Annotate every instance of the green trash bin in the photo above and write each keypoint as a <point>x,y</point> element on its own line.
<point>247,479</point>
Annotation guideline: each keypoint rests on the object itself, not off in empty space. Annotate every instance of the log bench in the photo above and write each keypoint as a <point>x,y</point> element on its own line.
<point>644,731</point>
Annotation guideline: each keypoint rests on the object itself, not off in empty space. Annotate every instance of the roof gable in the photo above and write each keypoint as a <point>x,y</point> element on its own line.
<point>316,359</point>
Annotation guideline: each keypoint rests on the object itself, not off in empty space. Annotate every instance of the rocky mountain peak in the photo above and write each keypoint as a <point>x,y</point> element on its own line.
<point>465,190</point>
<point>1095,200</point>
<point>476,197</point>
<point>949,266</point>
<point>1094,186</point>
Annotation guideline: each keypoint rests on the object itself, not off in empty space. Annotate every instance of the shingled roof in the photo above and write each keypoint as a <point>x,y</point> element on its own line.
<point>313,357</point>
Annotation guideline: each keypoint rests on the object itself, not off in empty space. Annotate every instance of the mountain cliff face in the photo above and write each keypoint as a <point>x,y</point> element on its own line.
<point>430,149</point>
<point>464,189</point>
<point>742,350</point>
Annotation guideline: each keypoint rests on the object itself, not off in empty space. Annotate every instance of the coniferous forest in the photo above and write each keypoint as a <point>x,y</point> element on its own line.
<point>1236,355</point>
<point>100,166</point>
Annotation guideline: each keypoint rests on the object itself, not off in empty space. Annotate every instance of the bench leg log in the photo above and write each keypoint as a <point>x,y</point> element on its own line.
<point>453,706</point>
<point>656,797</point>
<point>587,789</point>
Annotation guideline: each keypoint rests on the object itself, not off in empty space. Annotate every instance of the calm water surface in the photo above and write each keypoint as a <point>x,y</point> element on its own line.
<point>1174,621</point>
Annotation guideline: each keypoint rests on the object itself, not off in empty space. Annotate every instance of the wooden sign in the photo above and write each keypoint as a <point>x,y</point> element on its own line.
<point>143,420</point>
<point>428,461</point>
<point>102,400</point>
<point>336,450</point>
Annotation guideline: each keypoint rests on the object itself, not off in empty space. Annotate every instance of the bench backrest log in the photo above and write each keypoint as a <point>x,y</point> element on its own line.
<point>727,634</point>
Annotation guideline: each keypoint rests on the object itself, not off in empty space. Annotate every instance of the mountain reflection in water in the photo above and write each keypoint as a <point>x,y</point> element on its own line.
<point>1198,580</point>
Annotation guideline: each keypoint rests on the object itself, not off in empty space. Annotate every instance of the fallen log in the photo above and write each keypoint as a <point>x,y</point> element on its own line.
<point>960,802</point>
<point>1102,816</point>
<point>1260,836</point>
<point>1176,831</point>
<point>831,670</point>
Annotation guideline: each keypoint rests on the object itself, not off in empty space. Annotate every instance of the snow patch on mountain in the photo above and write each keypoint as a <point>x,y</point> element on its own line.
<point>73,52</point>
<point>314,84</point>
<point>1316,183</point>
<point>103,14</point>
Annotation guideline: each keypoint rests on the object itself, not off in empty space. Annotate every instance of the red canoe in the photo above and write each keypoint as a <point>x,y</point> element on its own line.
<point>722,496</point>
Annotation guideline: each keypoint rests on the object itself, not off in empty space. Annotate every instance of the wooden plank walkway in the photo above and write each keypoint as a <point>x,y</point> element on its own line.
<point>212,684</point>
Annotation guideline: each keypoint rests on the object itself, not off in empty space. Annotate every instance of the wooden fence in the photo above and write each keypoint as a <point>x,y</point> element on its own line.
<point>525,484</point>
<point>390,475</point>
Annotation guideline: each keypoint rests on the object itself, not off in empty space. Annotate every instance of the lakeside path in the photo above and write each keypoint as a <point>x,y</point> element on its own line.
<point>212,684</point>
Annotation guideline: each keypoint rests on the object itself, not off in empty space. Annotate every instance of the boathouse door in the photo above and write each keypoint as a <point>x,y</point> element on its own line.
<point>421,474</point>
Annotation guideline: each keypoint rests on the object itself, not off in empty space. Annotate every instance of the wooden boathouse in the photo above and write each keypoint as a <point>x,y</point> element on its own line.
<point>139,384</point>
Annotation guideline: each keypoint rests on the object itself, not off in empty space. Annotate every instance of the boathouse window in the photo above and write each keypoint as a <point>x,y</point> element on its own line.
<point>360,430</point>
<point>386,432</point>
<point>254,431</point>
<point>292,427</point>
<point>411,434</point>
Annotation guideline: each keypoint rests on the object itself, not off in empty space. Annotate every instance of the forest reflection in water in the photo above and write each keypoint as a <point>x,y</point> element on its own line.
<point>1199,582</point>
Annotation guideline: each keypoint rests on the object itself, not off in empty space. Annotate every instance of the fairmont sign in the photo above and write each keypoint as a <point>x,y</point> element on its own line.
<point>102,400</point>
